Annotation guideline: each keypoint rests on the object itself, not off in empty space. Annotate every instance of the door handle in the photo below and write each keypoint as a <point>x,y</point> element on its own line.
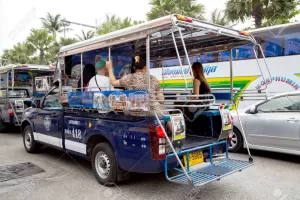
<point>292,120</point>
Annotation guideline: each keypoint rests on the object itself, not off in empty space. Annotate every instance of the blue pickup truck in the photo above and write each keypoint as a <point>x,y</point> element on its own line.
<point>118,144</point>
<point>105,126</point>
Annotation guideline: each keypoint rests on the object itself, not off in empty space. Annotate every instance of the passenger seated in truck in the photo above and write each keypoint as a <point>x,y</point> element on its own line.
<point>200,87</point>
<point>99,82</point>
<point>200,84</point>
<point>138,81</point>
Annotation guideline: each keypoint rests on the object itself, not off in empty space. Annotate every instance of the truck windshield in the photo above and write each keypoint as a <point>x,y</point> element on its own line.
<point>43,83</point>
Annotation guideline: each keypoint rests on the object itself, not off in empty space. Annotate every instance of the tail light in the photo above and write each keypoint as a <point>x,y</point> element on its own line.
<point>157,142</point>
<point>183,18</point>
<point>244,33</point>
<point>10,111</point>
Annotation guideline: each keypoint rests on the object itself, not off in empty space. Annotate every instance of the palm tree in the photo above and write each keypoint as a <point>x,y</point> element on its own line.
<point>54,24</point>
<point>41,41</point>
<point>114,23</point>
<point>51,55</point>
<point>4,57</point>
<point>261,10</point>
<point>66,41</point>
<point>219,17</point>
<point>20,53</point>
<point>85,36</point>
<point>162,8</point>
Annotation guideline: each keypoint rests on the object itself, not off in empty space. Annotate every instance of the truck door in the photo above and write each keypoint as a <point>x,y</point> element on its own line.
<point>48,121</point>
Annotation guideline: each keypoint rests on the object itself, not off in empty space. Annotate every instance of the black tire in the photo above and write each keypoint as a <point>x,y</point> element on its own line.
<point>30,145</point>
<point>3,128</point>
<point>239,141</point>
<point>111,177</point>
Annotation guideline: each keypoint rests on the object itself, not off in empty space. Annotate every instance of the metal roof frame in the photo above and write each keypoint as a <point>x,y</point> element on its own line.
<point>25,67</point>
<point>161,25</point>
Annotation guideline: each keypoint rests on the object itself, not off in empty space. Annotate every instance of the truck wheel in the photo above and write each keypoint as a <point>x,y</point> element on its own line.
<point>104,164</point>
<point>236,141</point>
<point>31,146</point>
<point>2,127</point>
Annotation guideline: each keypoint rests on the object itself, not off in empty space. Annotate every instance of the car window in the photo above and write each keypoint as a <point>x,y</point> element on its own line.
<point>52,100</point>
<point>289,103</point>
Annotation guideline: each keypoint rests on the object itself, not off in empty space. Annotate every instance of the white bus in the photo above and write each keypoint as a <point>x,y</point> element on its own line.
<point>281,46</point>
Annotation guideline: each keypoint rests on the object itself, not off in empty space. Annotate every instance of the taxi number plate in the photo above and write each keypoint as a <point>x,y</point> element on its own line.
<point>194,158</point>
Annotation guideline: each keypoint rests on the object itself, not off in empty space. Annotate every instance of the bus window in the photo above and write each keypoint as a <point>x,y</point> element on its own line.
<point>192,60</point>
<point>171,62</point>
<point>273,46</point>
<point>203,58</point>
<point>224,56</point>
<point>243,52</point>
<point>292,44</point>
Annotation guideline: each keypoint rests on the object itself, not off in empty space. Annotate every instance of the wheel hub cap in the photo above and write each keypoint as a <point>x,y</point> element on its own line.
<point>102,165</point>
<point>233,141</point>
<point>28,140</point>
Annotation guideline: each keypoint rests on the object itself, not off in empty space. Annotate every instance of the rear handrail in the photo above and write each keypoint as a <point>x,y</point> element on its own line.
<point>170,143</point>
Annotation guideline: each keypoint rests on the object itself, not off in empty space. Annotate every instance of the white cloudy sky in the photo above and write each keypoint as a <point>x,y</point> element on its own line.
<point>17,17</point>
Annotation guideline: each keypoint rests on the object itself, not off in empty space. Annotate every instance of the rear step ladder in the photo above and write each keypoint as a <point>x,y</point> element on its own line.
<point>200,176</point>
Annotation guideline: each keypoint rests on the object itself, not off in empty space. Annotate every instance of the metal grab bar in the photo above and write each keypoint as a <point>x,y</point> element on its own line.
<point>170,143</point>
<point>178,55</point>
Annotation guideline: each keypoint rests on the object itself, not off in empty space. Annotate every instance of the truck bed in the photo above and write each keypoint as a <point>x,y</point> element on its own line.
<point>192,141</point>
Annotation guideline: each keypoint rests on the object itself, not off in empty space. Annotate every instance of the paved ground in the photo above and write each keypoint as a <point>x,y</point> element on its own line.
<point>274,176</point>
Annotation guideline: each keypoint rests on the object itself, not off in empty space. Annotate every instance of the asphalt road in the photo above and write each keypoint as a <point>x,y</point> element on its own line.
<point>274,176</point>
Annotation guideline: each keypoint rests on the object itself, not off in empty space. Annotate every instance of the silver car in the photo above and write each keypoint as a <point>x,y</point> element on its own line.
<point>272,125</point>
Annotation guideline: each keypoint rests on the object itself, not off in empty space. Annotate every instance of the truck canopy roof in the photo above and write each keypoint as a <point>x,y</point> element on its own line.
<point>201,35</point>
<point>26,67</point>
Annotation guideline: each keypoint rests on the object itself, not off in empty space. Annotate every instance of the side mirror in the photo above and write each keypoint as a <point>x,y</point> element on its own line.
<point>252,110</point>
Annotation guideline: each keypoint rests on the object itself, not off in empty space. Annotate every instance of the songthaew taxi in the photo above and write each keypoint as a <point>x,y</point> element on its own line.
<point>104,125</point>
<point>20,83</point>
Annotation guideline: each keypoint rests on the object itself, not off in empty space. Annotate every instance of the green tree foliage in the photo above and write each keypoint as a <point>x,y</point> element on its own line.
<point>54,24</point>
<point>190,8</point>
<point>114,23</point>
<point>41,41</point>
<point>20,53</point>
<point>86,35</point>
<point>269,11</point>
<point>51,55</point>
<point>219,17</point>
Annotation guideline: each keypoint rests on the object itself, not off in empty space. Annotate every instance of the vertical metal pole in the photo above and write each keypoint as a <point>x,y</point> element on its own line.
<point>81,69</point>
<point>148,61</point>
<point>178,55</point>
<point>109,55</point>
<point>163,77</point>
<point>7,82</point>
<point>33,83</point>
<point>59,68</point>
<point>231,78</point>
<point>12,79</point>
<point>185,51</point>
